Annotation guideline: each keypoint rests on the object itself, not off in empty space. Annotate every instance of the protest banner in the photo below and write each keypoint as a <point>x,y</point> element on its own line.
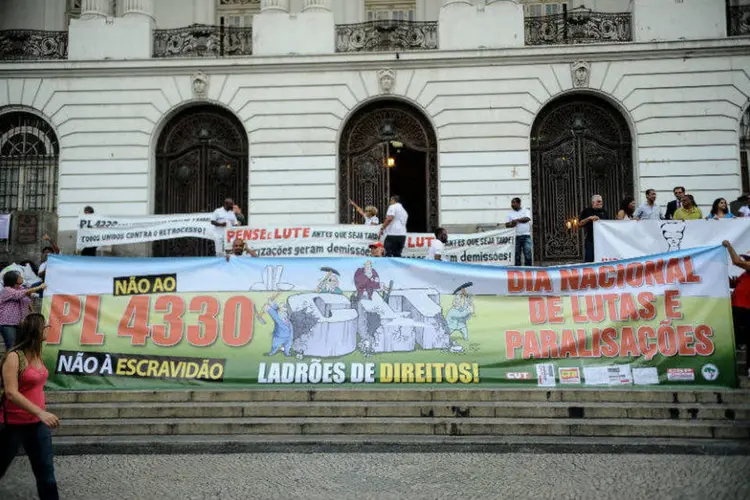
<point>495,247</point>
<point>102,230</point>
<point>659,321</point>
<point>616,240</point>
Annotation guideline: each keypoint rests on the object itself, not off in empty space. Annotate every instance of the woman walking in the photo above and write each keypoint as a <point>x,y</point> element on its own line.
<point>23,411</point>
<point>15,304</point>
<point>719,210</point>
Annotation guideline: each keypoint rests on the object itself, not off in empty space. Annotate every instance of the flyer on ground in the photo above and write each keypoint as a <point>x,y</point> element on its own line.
<point>662,321</point>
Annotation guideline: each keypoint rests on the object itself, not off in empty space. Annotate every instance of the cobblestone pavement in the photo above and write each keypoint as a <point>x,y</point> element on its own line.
<point>390,475</point>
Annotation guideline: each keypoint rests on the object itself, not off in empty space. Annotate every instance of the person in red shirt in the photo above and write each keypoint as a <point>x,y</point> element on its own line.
<point>23,406</point>
<point>741,301</point>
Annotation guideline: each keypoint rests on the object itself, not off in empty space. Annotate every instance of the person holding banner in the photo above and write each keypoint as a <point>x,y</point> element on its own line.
<point>649,210</point>
<point>370,214</point>
<point>741,300</point>
<point>436,246</point>
<point>377,249</point>
<point>688,209</point>
<point>88,251</point>
<point>586,222</point>
<point>719,210</point>
<point>673,205</point>
<point>627,209</point>
<point>223,217</point>
<point>15,304</point>
<point>394,228</point>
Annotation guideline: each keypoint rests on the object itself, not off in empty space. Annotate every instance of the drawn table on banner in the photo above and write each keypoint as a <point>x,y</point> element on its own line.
<point>490,247</point>
<point>616,240</point>
<point>660,321</point>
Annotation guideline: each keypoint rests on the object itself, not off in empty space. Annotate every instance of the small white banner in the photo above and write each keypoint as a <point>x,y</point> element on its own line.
<point>100,230</point>
<point>491,247</point>
<point>617,240</point>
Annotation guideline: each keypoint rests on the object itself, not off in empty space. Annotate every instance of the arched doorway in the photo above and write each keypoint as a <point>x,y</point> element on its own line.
<point>201,159</point>
<point>29,156</point>
<point>378,132</point>
<point>580,146</point>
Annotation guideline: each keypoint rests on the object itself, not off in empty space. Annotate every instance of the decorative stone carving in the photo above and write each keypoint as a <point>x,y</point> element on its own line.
<point>274,5</point>
<point>317,6</point>
<point>581,73</point>
<point>386,80</point>
<point>91,9</point>
<point>200,85</point>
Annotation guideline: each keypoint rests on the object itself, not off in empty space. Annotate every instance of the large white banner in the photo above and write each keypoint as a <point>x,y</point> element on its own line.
<point>495,247</point>
<point>617,240</point>
<point>102,230</point>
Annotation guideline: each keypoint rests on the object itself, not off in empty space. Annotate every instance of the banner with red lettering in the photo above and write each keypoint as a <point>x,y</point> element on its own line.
<point>659,321</point>
<point>495,247</point>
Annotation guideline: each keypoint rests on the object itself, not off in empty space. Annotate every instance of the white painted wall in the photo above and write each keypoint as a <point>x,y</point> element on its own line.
<point>684,111</point>
<point>304,33</point>
<point>122,37</point>
<point>679,19</point>
<point>467,27</point>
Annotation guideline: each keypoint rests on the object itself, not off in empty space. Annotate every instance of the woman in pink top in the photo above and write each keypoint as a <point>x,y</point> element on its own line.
<point>14,305</point>
<point>23,408</point>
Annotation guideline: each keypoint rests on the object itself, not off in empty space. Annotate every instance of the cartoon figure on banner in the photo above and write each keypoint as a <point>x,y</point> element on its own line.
<point>283,334</point>
<point>330,283</point>
<point>461,310</point>
<point>366,280</point>
<point>271,281</point>
<point>673,232</point>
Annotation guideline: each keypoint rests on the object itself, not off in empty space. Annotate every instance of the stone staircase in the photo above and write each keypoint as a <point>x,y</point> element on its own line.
<point>493,419</point>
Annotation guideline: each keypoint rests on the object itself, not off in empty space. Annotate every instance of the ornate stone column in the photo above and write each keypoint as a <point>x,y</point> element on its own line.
<point>132,8</point>
<point>91,9</point>
<point>269,6</point>
<point>317,6</point>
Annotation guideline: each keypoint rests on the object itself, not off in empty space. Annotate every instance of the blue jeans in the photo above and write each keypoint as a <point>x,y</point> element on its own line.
<point>9,335</point>
<point>523,244</point>
<point>37,441</point>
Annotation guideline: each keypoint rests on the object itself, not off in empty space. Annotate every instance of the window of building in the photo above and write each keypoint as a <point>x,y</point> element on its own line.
<point>28,163</point>
<point>237,13</point>
<point>390,10</point>
<point>543,9</point>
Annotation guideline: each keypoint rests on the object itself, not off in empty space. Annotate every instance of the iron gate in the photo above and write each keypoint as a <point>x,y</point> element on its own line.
<point>201,159</point>
<point>580,146</point>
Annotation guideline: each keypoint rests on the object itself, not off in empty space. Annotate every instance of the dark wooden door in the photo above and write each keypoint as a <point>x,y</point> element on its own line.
<point>202,159</point>
<point>580,146</point>
<point>374,133</point>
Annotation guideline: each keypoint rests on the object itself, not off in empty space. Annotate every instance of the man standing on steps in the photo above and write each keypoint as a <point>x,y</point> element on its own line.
<point>673,205</point>
<point>394,228</point>
<point>89,251</point>
<point>586,222</point>
<point>223,217</point>
<point>649,210</point>
<point>520,218</point>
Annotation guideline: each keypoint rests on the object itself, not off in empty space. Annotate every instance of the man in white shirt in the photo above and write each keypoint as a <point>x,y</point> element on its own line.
<point>649,210</point>
<point>438,244</point>
<point>223,217</point>
<point>520,218</point>
<point>394,228</point>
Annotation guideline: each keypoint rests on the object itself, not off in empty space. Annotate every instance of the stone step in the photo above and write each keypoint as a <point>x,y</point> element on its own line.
<point>706,429</point>
<point>401,395</point>
<point>337,409</point>
<point>404,443</point>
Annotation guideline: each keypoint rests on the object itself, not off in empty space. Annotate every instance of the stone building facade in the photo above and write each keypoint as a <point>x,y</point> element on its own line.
<point>293,107</point>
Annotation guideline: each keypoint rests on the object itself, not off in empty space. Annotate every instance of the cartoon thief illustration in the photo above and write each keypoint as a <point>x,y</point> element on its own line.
<point>330,283</point>
<point>282,330</point>
<point>461,310</point>
<point>366,280</point>
<point>673,232</point>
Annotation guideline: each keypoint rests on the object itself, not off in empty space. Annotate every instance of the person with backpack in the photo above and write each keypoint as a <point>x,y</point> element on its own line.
<point>24,418</point>
<point>15,304</point>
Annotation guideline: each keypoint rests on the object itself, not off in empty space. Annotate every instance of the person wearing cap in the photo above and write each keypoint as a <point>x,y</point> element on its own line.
<point>377,249</point>
<point>741,299</point>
